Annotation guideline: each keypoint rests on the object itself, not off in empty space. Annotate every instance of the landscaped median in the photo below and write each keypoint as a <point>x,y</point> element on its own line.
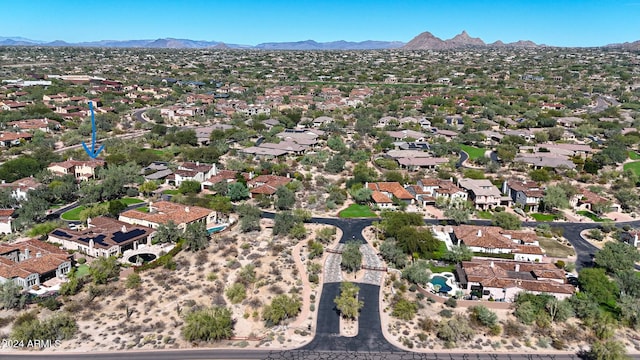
<point>473,152</point>
<point>357,211</point>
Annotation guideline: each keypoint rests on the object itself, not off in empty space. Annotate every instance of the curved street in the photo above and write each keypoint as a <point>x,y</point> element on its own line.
<point>370,342</point>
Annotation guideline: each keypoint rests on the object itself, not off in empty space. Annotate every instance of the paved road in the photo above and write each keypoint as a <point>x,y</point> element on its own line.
<point>369,338</point>
<point>138,115</point>
<point>369,344</point>
<point>463,157</point>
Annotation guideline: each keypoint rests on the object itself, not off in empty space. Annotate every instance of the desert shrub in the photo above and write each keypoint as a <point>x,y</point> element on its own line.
<point>451,302</point>
<point>236,293</point>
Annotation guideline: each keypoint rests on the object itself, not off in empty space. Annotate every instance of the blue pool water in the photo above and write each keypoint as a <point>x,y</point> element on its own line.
<point>216,229</point>
<point>442,281</point>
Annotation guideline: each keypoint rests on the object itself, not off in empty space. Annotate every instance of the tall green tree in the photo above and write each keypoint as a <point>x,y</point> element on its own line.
<point>196,237</point>
<point>418,272</point>
<point>167,233</point>
<point>285,198</point>
<point>12,296</point>
<point>506,221</point>
<point>555,197</point>
<point>238,191</point>
<point>347,302</point>
<point>249,217</point>
<point>351,256</point>
<point>104,269</point>
<point>617,256</point>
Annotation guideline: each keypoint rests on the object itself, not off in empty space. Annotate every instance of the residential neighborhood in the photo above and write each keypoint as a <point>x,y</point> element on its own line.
<point>476,198</point>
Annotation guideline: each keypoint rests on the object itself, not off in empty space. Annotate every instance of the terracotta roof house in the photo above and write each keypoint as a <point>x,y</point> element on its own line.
<point>494,240</point>
<point>13,138</point>
<point>162,212</point>
<point>81,170</point>
<point>384,192</point>
<point>103,237</point>
<point>526,193</point>
<point>193,171</point>
<point>585,199</point>
<point>442,188</point>
<point>44,125</point>
<point>482,192</point>
<point>227,176</point>
<point>32,262</point>
<point>503,280</point>
<point>266,184</point>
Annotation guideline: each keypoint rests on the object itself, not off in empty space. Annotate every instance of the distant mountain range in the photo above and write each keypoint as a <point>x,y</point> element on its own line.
<point>427,41</point>
<point>424,41</point>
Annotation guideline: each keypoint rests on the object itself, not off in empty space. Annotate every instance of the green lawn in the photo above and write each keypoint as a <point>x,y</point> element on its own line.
<point>438,253</point>
<point>485,215</point>
<point>130,201</point>
<point>73,214</point>
<point>357,211</point>
<point>473,152</point>
<point>591,215</point>
<point>440,269</point>
<point>634,155</point>
<point>171,192</point>
<point>634,166</point>
<point>543,217</point>
<point>82,270</point>
<point>143,209</point>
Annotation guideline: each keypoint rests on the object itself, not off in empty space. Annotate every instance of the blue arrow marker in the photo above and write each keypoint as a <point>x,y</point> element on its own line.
<point>92,152</point>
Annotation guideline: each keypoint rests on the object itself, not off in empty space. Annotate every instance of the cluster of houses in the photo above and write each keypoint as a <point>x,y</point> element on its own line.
<point>483,194</point>
<point>522,269</point>
<point>33,262</point>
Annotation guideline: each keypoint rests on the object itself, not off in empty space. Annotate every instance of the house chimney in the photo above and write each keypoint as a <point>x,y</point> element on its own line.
<point>517,268</point>
<point>492,265</point>
<point>124,229</point>
<point>150,207</point>
<point>186,209</point>
<point>26,253</point>
<point>479,232</point>
<point>38,254</point>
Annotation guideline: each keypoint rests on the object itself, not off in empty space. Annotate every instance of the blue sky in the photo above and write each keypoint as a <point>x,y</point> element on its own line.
<point>559,22</point>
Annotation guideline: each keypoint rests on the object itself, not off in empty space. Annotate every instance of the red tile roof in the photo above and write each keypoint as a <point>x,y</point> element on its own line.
<point>165,211</point>
<point>391,187</point>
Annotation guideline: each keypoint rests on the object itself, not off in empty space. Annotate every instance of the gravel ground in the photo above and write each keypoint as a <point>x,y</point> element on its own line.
<point>332,270</point>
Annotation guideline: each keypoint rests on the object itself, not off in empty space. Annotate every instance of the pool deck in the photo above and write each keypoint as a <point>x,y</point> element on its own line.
<point>146,249</point>
<point>450,282</point>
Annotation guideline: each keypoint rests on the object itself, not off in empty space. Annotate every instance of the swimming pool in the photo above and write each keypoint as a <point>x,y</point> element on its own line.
<point>442,282</point>
<point>216,229</point>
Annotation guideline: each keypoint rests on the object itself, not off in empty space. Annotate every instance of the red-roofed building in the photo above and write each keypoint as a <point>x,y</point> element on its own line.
<point>503,280</point>
<point>266,184</point>
<point>383,193</point>
<point>494,240</point>
<point>164,211</point>
<point>81,170</point>
<point>32,262</point>
<point>13,138</point>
